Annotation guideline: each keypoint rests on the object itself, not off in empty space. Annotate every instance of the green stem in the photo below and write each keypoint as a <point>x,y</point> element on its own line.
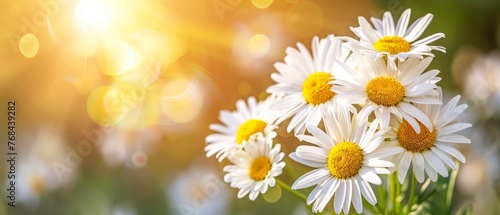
<point>379,209</point>
<point>412,194</point>
<point>392,191</point>
<point>289,189</point>
<point>435,190</point>
<point>399,208</point>
<point>383,199</point>
<point>451,186</point>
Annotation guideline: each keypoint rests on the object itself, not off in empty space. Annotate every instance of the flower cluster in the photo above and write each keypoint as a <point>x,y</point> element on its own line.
<point>367,107</point>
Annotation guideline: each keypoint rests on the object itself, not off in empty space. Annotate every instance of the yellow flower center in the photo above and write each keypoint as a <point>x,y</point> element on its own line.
<point>316,89</point>
<point>411,141</point>
<point>249,128</point>
<point>385,90</point>
<point>345,160</point>
<point>259,168</point>
<point>392,44</point>
<point>37,184</point>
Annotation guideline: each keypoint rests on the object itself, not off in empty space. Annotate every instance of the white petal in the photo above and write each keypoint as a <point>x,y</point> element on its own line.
<point>418,167</point>
<point>311,178</point>
<point>404,165</point>
<point>339,197</point>
<point>430,171</point>
<point>330,189</point>
<point>453,138</point>
<point>444,157</point>
<point>356,197</point>
<point>367,191</point>
<point>378,163</point>
<point>453,128</point>
<point>452,151</point>
<point>313,164</point>
<point>312,153</point>
<point>320,135</point>
<point>348,197</point>
<point>403,22</point>
<point>435,163</point>
<point>428,39</point>
<point>418,28</point>
<point>370,176</point>
<point>385,152</point>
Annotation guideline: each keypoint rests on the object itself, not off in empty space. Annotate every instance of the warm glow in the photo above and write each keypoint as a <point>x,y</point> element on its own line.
<point>93,15</point>
<point>259,45</point>
<point>181,100</point>
<point>119,58</point>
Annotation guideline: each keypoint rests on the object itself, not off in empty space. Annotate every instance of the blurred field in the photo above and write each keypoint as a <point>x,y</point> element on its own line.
<point>114,98</point>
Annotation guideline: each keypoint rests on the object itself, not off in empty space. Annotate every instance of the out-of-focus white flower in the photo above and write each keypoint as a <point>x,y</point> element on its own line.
<point>37,164</point>
<point>124,144</point>
<point>481,83</point>
<point>200,191</point>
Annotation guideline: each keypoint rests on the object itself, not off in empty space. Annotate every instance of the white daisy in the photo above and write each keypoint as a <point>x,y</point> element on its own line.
<point>249,119</point>
<point>303,80</point>
<point>255,167</point>
<point>395,41</point>
<point>347,158</point>
<point>387,88</point>
<point>200,190</point>
<point>432,149</point>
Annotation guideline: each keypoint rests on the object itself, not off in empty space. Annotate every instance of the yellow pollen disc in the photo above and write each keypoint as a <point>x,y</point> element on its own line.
<point>316,89</point>
<point>37,184</point>
<point>249,128</point>
<point>345,160</point>
<point>411,141</point>
<point>392,44</point>
<point>385,90</point>
<point>259,168</point>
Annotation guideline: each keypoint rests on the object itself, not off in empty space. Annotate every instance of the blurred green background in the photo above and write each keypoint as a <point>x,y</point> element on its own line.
<point>114,97</point>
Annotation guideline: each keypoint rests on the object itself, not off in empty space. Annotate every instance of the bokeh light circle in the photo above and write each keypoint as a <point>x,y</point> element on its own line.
<point>273,194</point>
<point>181,100</point>
<point>139,159</point>
<point>29,45</point>
<point>262,4</point>
<point>259,45</point>
<point>106,106</point>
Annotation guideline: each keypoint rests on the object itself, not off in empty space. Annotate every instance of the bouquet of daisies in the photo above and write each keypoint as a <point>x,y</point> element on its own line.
<point>361,108</point>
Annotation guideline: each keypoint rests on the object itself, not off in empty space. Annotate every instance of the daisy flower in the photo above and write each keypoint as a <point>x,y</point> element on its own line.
<point>303,80</point>
<point>255,167</point>
<point>387,88</point>
<point>199,190</point>
<point>395,40</point>
<point>431,150</point>
<point>251,118</point>
<point>347,158</point>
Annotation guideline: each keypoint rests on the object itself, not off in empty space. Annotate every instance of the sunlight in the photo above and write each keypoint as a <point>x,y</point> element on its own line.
<point>93,15</point>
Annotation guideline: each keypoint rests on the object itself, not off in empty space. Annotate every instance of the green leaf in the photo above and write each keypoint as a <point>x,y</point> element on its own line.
<point>465,211</point>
